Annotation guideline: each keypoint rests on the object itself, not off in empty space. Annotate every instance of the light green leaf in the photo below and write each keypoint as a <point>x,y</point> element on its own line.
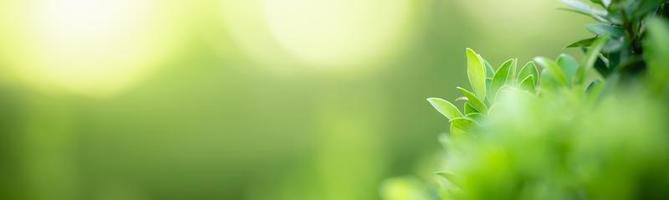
<point>528,83</point>
<point>548,81</point>
<point>503,75</point>
<point>489,71</point>
<point>553,69</point>
<point>460,126</point>
<point>569,66</point>
<point>473,100</point>
<point>474,116</point>
<point>476,72</point>
<point>528,69</point>
<point>444,107</point>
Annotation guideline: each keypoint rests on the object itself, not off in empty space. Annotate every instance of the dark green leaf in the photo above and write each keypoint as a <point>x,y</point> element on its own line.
<point>582,43</point>
<point>590,58</point>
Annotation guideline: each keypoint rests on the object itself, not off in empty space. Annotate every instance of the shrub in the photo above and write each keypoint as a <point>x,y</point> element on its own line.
<point>593,128</point>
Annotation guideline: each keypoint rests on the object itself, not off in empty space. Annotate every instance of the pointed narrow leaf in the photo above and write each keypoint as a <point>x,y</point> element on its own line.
<point>503,75</point>
<point>553,69</point>
<point>582,43</point>
<point>489,71</point>
<point>528,83</point>
<point>476,73</point>
<point>528,69</point>
<point>569,65</point>
<point>444,107</point>
<point>473,100</point>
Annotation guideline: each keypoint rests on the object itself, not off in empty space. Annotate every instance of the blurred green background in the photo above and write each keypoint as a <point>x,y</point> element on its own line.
<point>255,99</point>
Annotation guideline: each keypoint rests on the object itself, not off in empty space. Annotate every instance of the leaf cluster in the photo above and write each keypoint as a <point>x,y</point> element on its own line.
<point>623,23</point>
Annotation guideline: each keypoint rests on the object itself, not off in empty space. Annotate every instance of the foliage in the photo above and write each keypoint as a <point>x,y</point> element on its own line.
<point>592,128</point>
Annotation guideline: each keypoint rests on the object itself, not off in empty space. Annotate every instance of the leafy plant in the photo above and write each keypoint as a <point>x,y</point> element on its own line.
<point>565,128</point>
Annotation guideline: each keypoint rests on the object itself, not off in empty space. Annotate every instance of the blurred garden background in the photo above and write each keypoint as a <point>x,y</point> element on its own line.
<point>254,99</point>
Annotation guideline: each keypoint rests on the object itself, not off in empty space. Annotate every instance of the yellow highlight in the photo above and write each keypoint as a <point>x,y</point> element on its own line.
<point>318,33</point>
<point>337,32</point>
<point>92,47</point>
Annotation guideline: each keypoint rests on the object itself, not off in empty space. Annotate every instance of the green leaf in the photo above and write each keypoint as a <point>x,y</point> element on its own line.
<point>476,73</point>
<point>473,100</point>
<point>528,83</point>
<point>548,81</point>
<point>585,9</point>
<point>470,109</point>
<point>582,43</point>
<point>503,75</point>
<point>446,108</point>
<point>553,69</point>
<point>528,69</point>
<point>590,58</point>
<point>475,116</point>
<point>569,66</point>
<point>602,29</point>
<point>490,72</point>
<point>460,126</point>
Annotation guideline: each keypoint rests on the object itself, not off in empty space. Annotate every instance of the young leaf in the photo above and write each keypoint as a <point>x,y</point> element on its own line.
<point>503,75</point>
<point>528,83</point>
<point>476,73</point>
<point>460,126</point>
<point>553,69</point>
<point>470,109</point>
<point>528,69</point>
<point>569,65</point>
<point>582,43</point>
<point>489,71</point>
<point>473,100</point>
<point>444,107</point>
<point>475,116</point>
